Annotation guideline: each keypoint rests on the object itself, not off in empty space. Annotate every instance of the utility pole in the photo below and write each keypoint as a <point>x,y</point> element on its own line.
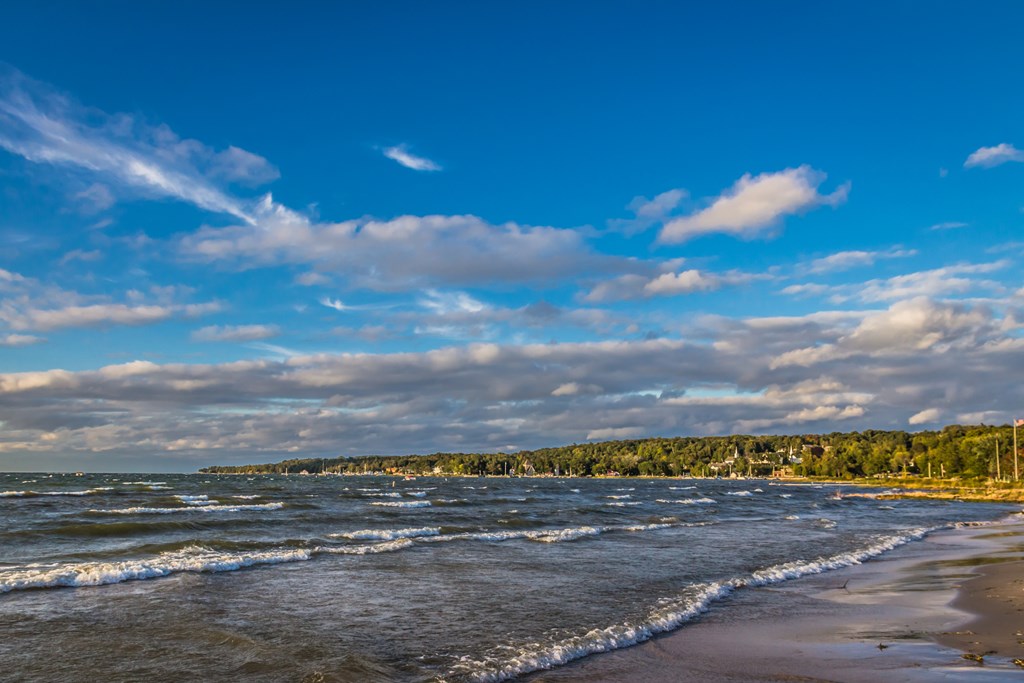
<point>1016,473</point>
<point>999,476</point>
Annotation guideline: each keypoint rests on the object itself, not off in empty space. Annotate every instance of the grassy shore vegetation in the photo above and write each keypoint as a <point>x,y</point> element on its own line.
<point>963,453</point>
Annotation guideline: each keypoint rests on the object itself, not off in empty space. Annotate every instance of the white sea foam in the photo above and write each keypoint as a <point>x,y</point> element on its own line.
<point>191,508</point>
<point>248,497</point>
<point>202,499</point>
<point>80,492</point>
<point>191,559</point>
<point>372,549</point>
<point>688,501</point>
<point>738,493</point>
<point>388,534</point>
<point>402,503</point>
<point>621,504</point>
<point>380,494</point>
<point>416,494</point>
<point>792,517</point>
<point>620,497</point>
<point>785,495</point>
<point>681,488</point>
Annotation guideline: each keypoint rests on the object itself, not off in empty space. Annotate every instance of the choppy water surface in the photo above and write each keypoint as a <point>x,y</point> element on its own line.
<point>204,577</point>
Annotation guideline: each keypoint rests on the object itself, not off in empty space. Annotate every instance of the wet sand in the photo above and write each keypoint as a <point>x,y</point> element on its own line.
<point>910,616</point>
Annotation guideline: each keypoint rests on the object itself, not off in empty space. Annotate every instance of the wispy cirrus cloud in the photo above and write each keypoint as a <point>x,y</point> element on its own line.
<point>948,225</point>
<point>755,205</point>
<point>649,212</point>
<point>953,280</point>
<point>846,260</point>
<point>45,126</point>
<point>987,157</point>
<point>402,155</point>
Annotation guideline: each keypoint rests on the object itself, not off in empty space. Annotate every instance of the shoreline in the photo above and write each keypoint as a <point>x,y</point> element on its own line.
<point>909,615</point>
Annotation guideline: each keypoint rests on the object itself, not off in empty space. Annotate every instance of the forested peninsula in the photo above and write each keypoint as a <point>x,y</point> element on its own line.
<point>974,452</point>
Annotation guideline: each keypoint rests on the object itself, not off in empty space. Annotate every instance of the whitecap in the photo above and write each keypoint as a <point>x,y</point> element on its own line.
<point>388,534</point>
<point>191,559</point>
<point>190,508</point>
<point>688,501</point>
<point>402,503</point>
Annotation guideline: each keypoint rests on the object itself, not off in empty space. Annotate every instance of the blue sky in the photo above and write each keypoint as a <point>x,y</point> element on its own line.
<point>248,232</point>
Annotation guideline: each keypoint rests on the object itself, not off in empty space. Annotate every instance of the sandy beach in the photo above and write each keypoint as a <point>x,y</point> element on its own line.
<point>910,615</point>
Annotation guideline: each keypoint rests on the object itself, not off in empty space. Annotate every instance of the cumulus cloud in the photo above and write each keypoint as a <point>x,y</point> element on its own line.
<point>403,252</point>
<point>404,157</point>
<point>479,396</point>
<point>690,281</point>
<point>987,157</point>
<point>31,305</point>
<point>235,333</point>
<point>47,127</point>
<point>925,416</point>
<point>914,325</point>
<point>754,205</point>
<point>20,340</point>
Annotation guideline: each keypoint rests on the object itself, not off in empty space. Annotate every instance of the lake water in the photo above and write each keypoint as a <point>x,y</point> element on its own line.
<point>272,578</point>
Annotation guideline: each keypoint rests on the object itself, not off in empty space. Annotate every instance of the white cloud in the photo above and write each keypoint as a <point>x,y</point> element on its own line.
<point>406,158</point>
<point>238,165</point>
<point>46,127</point>
<point>686,282</point>
<point>443,303</point>
<point>845,260</point>
<point>648,212</point>
<point>95,198</point>
<point>689,281</point>
<point>19,340</point>
<point>948,225</point>
<point>479,396</point>
<point>87,316</point>
<point>81,255</point>
<point>925,416</point>
<point>28,304</point>
<point>987,157</point>
<point>312,279</point>
<point>235,333</point>
<point>911,326</point>
<point>606,433</point>
<point>404,252</point>
<point>755,205</point>
<point>958,279</point>
<point>336,304</point>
